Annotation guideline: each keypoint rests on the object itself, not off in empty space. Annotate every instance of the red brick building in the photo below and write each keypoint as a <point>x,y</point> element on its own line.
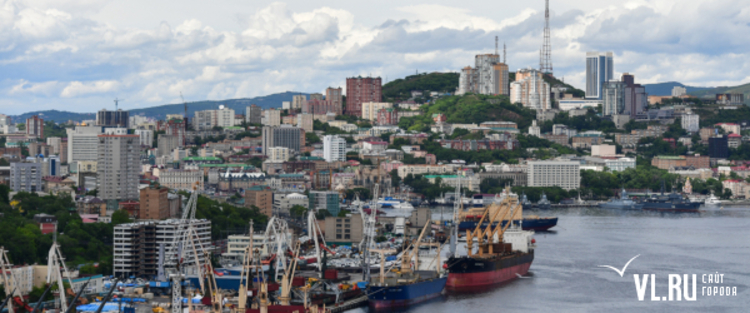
<point>316,106</point>
<point>360,90</point>
<point>388,116</point>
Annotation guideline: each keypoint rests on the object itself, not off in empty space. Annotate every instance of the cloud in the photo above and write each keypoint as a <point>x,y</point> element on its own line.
<point>54,55</point>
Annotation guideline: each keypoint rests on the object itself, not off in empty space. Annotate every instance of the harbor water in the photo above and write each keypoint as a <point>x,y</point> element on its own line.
<point>566,277</point>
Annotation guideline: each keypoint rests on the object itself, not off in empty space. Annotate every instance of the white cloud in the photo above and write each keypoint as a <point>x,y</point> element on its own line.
<point>53,54</point>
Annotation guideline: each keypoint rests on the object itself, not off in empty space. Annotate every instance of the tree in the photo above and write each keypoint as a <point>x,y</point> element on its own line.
<point>298,211</point>
<point>312,138</point>
<point>395,179</point>
<point>322,214</point>
<point>342,213</point>
<point>120,217</point>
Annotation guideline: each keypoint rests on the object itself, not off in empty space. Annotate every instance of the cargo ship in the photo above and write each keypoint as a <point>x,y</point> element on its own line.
<point>408,285</point>
<point>536,223</point>
<point>504,250</point>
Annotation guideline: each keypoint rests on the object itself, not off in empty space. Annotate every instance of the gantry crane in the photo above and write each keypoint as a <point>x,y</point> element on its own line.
<point>9,280</point>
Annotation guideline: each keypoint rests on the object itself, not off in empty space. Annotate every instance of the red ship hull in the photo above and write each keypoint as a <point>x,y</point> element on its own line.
<point>470,274</point>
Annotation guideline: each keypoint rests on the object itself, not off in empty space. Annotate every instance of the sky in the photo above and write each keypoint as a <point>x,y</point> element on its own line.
<point>79,55</point>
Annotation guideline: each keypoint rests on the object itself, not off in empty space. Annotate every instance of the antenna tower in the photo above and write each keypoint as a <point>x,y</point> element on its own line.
<point>545,64</point>
<point>117,102</point>
<point>504,61</point>
<point>495,45</point>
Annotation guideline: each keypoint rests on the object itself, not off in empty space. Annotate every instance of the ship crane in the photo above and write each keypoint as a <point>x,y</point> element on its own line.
<point>55,260</point>
<point>368,237</point>
<point>8,279</point>
<point>174,256</point>
<point>279,230</point>
<point>245,273</point>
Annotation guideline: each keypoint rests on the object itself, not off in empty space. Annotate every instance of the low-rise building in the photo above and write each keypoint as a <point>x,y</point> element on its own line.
<point>181,179</point>
<point>619,164</point>
<point>260,197</point>
<point>666,162</point>
<point>343,230</point>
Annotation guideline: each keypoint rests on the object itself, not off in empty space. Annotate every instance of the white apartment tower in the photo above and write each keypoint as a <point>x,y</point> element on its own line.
<point>530,90</point>
<point>83,143</point>
<point>334,148</point>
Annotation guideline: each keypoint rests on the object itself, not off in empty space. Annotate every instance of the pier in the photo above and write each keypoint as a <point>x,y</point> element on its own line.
<point>349,304</point>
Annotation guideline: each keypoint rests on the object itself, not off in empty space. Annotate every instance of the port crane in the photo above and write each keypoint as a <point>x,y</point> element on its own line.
<point>9,280</point>
<point>245,273</point>
<point>55,260</point>
<point>185,235</point>
<point>278,230</point>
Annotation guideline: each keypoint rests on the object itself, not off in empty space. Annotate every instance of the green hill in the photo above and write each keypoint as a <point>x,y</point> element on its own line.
<point>161,111</point>
<point>400,89</point>
<point>471,108</point>
<point>709,93</point>
<point>552,81</point>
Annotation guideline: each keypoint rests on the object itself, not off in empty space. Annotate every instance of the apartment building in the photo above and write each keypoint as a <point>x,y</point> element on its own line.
<point>118,167</point>
<point>154,203</point>
<point>181,179</point>
<point>564,174</point>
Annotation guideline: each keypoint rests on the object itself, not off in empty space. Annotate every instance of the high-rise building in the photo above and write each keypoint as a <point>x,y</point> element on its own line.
<point>335,96</point>
<point>489,76</point>
<point>167,143</point>
<point>370,109</point>
<point>253,114</point>
<point>5,120</point>
<point>599,69</point>
<point>334,148</point>
<point>636,99</point>
<point>117,118</point>
<point>283,136</point>
<point>146,137</point>
<point>318,106</point>
<point>718,147</point>
<point>613,96</point>
<point>207,119</point>
<point>305,121</point>
<point>271,117</point>
<point>176,127</point>
<point>678,91</point>
<point>54,142</point>
<point>530,90</point>
<point>83,143</point>
<point>260,197</point>
<point>297,101</point>
<point>360,90</point>
<point>691,122</point>
<point>154,203</point>
<point>136,246</point>
<point>35,127</point>
<point>118,167</point>
<point>316,96</point>
<point>26,176</point>
<point>324,200</point>
<point>278,154</point>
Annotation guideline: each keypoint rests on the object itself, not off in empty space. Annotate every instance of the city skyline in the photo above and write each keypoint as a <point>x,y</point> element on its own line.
<point>79,55</point>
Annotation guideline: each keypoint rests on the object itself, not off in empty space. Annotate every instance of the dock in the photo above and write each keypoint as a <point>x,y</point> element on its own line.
<point>349,304</point>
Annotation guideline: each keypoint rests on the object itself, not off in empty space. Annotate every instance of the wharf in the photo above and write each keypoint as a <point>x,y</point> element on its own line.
<point>348,305</point>
<point>575,205</point>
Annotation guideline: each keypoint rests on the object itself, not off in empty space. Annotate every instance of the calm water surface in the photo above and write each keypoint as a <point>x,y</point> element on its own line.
<point>565,278</point>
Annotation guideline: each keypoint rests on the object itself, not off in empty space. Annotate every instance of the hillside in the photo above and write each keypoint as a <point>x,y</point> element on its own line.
<point>553,81</point>
<point>160,112</point>
<point>710,92</point>
<point>471,108</point>
<point>665,89</point>
<point>400,89</point>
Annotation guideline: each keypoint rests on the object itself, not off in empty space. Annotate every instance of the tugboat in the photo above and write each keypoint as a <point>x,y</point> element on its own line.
<point>623,203</point>
<point>406,286</point>
<point>672,202</point>
<point>712,201</point>
<point>505,251</point>
<point>543,203</point>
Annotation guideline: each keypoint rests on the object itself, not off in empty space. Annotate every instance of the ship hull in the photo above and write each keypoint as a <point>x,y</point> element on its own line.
<point>669,207</point>
<point>536,224</point>
<point>388,297</point>
<point>473,274</point>
<point>616,206</point>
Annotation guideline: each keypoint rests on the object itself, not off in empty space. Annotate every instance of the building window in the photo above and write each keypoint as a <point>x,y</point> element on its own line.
<point>338,236</point>
<point>346,237</point>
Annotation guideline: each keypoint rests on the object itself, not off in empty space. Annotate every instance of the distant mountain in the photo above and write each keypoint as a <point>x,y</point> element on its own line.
<point>711,92</point>
<point>160,112</point>
<point>400,89</point>
<point>665,89</point>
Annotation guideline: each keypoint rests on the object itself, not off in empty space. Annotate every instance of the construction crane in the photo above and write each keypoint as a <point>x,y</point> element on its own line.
<point>9,280</point>
<point>314,231</point>
<point>174,256</point>
<point>117,103</point>
<point>184,103</point>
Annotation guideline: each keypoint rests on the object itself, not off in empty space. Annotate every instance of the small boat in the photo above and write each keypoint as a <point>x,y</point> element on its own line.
<point>712,200</point>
